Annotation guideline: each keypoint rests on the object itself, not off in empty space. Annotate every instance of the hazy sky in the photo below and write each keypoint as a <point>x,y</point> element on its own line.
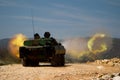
<point>63,18</point>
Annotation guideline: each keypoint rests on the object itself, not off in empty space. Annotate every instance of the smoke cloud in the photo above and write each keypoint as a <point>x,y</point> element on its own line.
<point>75,46</point>
<point>87,49</point>
<point>15,42</point>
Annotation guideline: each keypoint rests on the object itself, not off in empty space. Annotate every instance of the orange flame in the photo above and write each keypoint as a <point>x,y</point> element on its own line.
<point>15,42</point>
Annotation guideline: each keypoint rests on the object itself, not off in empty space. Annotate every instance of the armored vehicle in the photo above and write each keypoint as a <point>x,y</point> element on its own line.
<point>42,50</point>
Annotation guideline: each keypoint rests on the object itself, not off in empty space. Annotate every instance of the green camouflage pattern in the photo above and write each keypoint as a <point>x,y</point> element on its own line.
<point>38,42</point>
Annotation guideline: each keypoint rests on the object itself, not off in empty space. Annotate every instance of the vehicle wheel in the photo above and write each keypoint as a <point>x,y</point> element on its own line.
<point>34,63</point>
<point>25,62</point>
<point>22,50</point>
<point>62,60</point>
<point>58,60</point>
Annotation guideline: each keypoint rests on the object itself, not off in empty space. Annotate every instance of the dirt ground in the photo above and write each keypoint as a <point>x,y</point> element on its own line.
<point>76,71</point>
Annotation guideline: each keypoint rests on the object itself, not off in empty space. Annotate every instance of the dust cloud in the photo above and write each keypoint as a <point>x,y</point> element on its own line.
<point>87,49</point>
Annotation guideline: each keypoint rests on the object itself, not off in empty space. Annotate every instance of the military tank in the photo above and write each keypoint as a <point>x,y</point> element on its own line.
<point>42,50</point>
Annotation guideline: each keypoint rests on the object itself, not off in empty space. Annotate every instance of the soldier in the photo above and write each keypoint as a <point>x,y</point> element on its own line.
<point>36,40</point>
<point>47,36</point>
<point>36,36</point>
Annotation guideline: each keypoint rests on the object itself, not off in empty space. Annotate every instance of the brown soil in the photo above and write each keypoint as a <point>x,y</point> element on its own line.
<point>86,71</point>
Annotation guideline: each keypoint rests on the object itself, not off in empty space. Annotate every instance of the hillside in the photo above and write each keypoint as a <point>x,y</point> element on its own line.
<point>7,58</point>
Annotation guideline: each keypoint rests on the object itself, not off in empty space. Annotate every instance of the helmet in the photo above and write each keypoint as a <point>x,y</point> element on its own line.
<point>46,34</point>
<point>36,36</point>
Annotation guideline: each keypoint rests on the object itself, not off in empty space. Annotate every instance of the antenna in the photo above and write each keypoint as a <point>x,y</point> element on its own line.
<point>33,22</point>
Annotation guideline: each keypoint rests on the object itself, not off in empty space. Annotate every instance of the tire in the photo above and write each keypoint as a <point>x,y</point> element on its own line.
<point>58,60</point>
